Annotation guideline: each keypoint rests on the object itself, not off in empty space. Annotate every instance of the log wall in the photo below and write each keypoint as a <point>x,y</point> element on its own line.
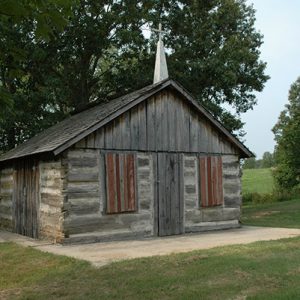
<point>210,218</point>
<point>86,218</point>
<point>51,213</point>
<point>162,123</point>
<point>6,194</point>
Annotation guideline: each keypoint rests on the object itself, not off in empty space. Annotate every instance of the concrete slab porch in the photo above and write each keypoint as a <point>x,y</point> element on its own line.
<point>100,254</point>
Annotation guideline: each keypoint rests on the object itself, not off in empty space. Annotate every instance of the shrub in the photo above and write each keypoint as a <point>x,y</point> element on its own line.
<point>257,198</point>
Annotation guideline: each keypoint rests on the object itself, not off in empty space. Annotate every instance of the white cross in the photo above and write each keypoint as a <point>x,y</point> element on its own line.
<point>159,30</point>
<point>161,69</point>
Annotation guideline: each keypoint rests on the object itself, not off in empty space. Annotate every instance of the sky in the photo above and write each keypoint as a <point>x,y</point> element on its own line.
<point>279,22</point>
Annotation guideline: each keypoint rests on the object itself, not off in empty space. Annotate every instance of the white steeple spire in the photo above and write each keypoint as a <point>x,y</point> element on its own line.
<point>161,69</point>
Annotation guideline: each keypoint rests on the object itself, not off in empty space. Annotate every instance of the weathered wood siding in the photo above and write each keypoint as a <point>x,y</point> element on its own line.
<point>211,181</point>
<point>6,192</point>
<point>26,197</point>
<point>86,216</point>
<point>51,215</point>
<point>198,218</point>
<point>170,194</point>
<point>162,123</point>
<point>120,182</point>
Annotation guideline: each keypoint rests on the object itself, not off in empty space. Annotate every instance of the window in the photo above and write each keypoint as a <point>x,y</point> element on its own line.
<point>120,183</point>
<point>211,181</point>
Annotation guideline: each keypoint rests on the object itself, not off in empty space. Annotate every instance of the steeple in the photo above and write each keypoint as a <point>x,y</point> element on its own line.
<point>161,69</point>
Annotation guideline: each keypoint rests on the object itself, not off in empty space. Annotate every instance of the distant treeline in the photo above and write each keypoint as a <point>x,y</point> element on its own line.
<point>267,161</point>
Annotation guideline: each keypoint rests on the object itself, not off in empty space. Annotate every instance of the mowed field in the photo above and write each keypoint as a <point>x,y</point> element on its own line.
<point>276,214</point>
<point>257,181</point>
<point>262,270</point>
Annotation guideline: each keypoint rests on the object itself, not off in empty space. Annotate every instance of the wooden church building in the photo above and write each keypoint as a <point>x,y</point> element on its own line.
<point>150,163</point>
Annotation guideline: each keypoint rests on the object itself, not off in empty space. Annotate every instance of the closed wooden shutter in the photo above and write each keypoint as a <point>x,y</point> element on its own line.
<point>120,183</point>
<point>211,181</point>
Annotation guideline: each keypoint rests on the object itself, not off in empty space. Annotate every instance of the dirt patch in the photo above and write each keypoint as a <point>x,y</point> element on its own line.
<point>262,214</point>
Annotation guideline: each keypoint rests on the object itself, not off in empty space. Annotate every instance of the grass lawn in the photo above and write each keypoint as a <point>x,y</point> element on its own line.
<point>262,270</point>
<point>257,181</point>
<point>277,214</point>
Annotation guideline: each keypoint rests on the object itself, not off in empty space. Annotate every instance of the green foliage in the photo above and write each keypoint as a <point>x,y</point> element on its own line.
<point>267,161</point>
<point>257,198</point>
<point>287,136</point>
<point>249,163</point>
<point>24,26</point>
<point>101,52</point>
<point>258,187</point>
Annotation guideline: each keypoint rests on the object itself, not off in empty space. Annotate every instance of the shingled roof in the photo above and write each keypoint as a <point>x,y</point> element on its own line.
<point>66,133</point>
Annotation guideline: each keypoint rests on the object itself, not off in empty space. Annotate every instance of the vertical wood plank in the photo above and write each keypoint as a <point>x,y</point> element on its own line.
<point>161,192</point>
<point>99,138</point>
<point>118,190</point>
<point>194,131</point>
<point>181,193</point>
<point>214,180</point>
<point>90,140</point>
<point>125,172</point>
<point>155,198</point>
<point>172,132</point>
<point>121,181</point>
<point>103,183</point>
<point>142,126</point>
<point>117,133</point>
<point>26,197</point>
<point>209,181</point>
<point>165,122</point>
<point>151,124</point>
<point>168,179</point>
<point>131,182</point>
<point>134,128</point>
<point>203,181</point>
<point>110,183</point>
<point>109,136</point>
<point>220,181</point>
<point>186,127</point>
<point>159,123</point>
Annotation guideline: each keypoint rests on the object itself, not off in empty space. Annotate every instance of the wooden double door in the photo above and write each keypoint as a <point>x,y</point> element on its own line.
<point>170,205</point>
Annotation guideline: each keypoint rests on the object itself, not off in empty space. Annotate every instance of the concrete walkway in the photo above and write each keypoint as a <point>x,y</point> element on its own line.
<point>100,254</point>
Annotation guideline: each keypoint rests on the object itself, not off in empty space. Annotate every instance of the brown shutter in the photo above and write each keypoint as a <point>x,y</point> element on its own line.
<point>211,183</point>
<point>120,173</point>
<point>110,187</point>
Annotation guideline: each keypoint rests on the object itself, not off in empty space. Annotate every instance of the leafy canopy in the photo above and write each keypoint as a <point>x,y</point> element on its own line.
<point>101,52</point>
<point>287,136</point>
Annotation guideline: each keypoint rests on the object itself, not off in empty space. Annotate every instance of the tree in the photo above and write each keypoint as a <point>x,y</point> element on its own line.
<point>45,18</point>
<point>250,163</point>
<point>287,137</point>
<point>102,53</point>
<point>267,160</point>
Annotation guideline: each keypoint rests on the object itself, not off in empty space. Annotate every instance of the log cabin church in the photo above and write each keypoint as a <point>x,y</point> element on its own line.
<point>150,163</point>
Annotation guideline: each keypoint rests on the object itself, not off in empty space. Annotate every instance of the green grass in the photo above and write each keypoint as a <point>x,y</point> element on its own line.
<point>277,214</point>
<point>262,270</point>
<point>274,214</point>
<point>257,181</point>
